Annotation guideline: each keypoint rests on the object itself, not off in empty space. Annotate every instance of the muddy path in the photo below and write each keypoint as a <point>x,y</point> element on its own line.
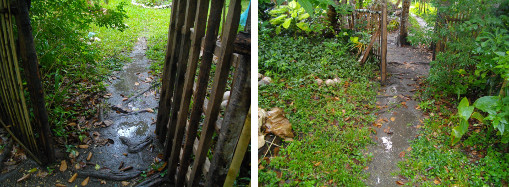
<point>397,118</point>
<point>122,141</point>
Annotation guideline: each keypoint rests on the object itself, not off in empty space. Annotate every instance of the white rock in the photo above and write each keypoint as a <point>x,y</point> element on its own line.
<point>319,81</point>
<point>224,103</point>
<point>329,82</point>
<point>226,95</point>
<point>337,80</point>
<point>268,79</point>
<point>260,76</point>
<point>264,81</point>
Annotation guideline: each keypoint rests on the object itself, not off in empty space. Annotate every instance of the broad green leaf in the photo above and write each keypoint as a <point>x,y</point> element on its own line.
<point>478,116</point>
<point>278,29</point>
<point>306,4</point>
<point>294,14</point>
<point>303,26</point>
<point>277,20</point>
<point>280,10</point>
<point>354,39</point>
<point>287,23</point>
<point>487,104</point>
<point>303,16</point>
<point>464,110</point>
<point>461,129</point>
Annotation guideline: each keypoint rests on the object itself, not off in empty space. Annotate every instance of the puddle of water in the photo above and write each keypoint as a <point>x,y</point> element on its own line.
<point>387,143</point>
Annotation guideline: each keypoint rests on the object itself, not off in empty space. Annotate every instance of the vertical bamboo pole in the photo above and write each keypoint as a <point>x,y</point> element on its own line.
<point>384,43</point>
<point>30,65</point>
<point>240,151</point>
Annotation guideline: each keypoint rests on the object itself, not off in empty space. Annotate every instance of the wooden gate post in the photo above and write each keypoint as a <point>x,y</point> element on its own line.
<point>31,66</point>
<point>383,65</point>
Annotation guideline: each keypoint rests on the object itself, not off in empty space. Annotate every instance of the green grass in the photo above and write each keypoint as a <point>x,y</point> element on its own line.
<point>479,159</point>
<point>331,123</point>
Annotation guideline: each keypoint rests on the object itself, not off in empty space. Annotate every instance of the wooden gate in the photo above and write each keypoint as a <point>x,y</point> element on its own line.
<point>374,21</point>
<point>33,136</point>
<point>179,119</point>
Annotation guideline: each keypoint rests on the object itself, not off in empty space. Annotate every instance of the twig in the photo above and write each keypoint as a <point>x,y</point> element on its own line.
<point>268,149</point>
<point>21,144</point>
<point>137,95</point>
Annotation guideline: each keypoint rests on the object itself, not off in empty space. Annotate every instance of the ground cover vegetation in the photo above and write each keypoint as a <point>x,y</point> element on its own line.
<point>331,121</point>
<point>464,137</point>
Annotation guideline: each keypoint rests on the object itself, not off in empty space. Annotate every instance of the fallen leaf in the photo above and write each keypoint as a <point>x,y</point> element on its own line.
<point>125,154</point>
<point>402,154</point>
<point>85,182</point>
<point>393,118</point>
<point>73,178</point>
<point>136,83</point>
<point>72,124</point>
<point>278,124</point>
<point>60,185</point>
<point>32,170</point>
<point>408,149</point>
<point>83,146</point>
<point>24,177</point>
<point>149,110</point>
<point>125,183</point>
<point>103,182</point>
<point>63,166</point>
<point>89,156</point>
<point>400,183</point>
<point>77,166</point>
<point>107,123</point>
<point>317,164</point>
<point>162,167</point>
<point>436,181</point>
<point>125,99</point>
<point>42,174</point>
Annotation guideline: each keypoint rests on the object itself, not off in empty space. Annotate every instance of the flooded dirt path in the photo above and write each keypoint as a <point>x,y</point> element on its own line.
<point>122,138</point>
<point>398,117</point>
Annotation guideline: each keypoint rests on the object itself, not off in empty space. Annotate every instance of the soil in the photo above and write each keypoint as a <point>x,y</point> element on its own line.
<point>127,139</point>
<point>405,65</point>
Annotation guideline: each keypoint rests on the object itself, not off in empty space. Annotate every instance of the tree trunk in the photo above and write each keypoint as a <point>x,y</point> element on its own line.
<point>403,29</point>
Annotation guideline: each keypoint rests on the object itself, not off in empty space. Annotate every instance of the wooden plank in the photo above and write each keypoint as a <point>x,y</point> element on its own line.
<point>164,103</point>
<point>221,75</point>
<point>189,49</point>
<point>368,49</point>
<point>176,130</point>
<point>175,55</point>
<point>203,78</point>
<point>31,68</point>
<point>384,43</point>
<point>233,121</point>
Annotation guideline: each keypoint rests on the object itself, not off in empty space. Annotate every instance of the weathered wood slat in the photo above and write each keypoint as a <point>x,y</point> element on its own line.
<point>164,102</point>
<point>183,105</point>
<point>235,116</point>
<point>384,43</point>
<point>175,55</point>
<point>203,77</point>
<point>221,75</point>
<point>240,151</point>
<point>368,49</point>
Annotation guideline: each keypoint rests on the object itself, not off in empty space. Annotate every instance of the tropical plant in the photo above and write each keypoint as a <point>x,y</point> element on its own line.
<point>285,15</point>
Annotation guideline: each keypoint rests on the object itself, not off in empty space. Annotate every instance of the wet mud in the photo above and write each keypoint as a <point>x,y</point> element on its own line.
<point>399,117</point>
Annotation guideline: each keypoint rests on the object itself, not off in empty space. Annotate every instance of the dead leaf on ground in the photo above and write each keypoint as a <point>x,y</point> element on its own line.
<point>73,178</point>
<point>83,146</point>
<point>107,123</point>
<point>89,156</point>
<point>72,124</point>
<point>63,165</point>
<point>24,177</point>
<point>278,124</point>
<point>125,183</point>
<point>436,181</point>
<point>400,183</point>
<point>136,83</point>
<point>125,99</point>
<point>103,182</point>
<point>85,182</point>
<point>402,154</point>
<point>408,149</point>
<point>41,174</point>
<point>317,164</point>
<point>60,185</point>
<point>393,118</point>
<point>149,110</point>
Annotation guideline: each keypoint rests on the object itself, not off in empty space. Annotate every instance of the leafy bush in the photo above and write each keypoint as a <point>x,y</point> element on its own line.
<point>154,2</point>
<point>289,16</point>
